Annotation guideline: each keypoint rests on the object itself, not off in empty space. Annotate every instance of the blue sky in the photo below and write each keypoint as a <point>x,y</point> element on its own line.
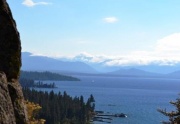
<point>127,31</point>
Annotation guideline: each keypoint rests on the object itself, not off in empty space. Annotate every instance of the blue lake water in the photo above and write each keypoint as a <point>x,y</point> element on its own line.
<point>138,98</point>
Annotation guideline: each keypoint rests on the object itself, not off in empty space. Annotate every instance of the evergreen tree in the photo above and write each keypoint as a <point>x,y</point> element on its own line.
<point>174,116</point>
<point>61,108</point>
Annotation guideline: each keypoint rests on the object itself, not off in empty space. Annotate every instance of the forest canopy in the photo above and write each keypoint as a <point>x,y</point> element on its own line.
<point>61,108</point>
<point>34,75</point>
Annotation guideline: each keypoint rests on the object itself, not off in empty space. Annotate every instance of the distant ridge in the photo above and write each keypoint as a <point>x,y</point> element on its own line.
<point>133,72</point>
<point>175,74</point>
<point>42,63</point>
<point>105,64</point>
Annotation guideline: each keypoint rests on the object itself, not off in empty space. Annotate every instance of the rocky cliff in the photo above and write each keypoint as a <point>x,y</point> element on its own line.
<point>10,45</point>
<point>12,108</point>
<point>6,107</point>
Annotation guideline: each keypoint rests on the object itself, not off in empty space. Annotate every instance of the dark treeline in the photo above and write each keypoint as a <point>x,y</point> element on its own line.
<point>28,79</point>
<point>61,108</point>
<point>38,84</point>
<point>26,82</point>
<point>46,76</point>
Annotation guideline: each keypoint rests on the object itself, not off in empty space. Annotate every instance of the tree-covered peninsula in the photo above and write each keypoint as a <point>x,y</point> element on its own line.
<point>34,75</point>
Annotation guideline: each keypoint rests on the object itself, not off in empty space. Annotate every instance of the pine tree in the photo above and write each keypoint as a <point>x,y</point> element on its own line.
<point>174,116</point>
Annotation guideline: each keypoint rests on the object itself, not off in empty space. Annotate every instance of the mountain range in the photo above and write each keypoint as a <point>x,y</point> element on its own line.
<point>42,63</point>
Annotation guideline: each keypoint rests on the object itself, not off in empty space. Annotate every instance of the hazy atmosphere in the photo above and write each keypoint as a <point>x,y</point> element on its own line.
<point>90,61</point>
<point>123,32</point>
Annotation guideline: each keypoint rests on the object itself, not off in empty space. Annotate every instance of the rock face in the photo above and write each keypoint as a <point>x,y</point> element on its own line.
<point>6,108</point>
<point>12,108</point>
<point>17,99</point>
<point>10,45</point>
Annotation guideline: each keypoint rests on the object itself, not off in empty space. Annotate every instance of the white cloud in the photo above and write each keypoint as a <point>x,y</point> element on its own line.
<point>166,52</point>
<point>110,19</point>
<point>31,3</point>
<point>86,57</point>
<point>169,43</point>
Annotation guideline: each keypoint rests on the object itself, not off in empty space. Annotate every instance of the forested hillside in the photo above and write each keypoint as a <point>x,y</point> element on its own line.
<point>61,108</point>
<point>46,76</point>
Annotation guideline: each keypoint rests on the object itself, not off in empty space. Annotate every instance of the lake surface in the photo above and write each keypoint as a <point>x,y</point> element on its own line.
<point>138,98</point>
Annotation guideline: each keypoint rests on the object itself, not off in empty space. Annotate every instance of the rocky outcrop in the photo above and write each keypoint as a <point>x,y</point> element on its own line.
<point>7,115</point>
<point>12,108</point>
<point>17,99</point>
<point>10,45</point>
